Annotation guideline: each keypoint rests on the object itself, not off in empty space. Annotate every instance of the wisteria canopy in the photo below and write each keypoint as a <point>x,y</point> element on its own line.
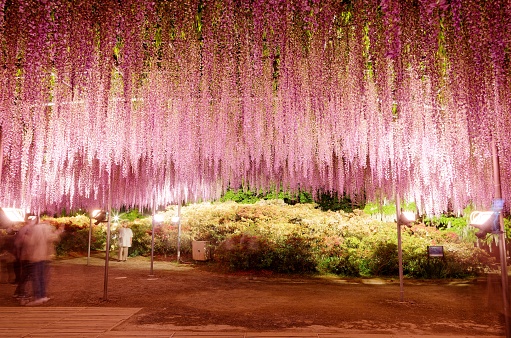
<point>166,101</point>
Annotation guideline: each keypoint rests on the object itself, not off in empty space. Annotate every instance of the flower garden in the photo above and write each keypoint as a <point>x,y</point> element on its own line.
<point>270,235</point>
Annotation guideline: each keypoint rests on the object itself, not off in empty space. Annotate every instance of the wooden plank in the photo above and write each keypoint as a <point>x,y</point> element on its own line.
<point>61,321</point>
<point>280,335</point>
<point>66,335</point>
<point>208,334</point>
<point>135,334</point>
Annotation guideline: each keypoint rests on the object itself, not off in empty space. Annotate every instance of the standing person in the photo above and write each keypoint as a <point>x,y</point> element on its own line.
<point>125,241</point>
<point>41,241</point>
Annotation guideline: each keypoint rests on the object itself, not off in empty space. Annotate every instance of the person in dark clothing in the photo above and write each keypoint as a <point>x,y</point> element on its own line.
<point>22,252</point>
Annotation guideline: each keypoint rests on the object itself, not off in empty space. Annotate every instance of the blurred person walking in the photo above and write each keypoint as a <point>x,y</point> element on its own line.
<point>125,241</point>
<point>22,253</point>
<point>41,241</point>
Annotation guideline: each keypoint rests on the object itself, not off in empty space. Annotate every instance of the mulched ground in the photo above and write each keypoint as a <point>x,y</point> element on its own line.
<point>194,297</point>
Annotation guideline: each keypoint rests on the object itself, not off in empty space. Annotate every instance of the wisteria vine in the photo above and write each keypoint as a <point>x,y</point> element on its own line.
<point>167,101</point>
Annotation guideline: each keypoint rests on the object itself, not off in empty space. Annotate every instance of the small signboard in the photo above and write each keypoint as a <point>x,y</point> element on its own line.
<point>435,251</point>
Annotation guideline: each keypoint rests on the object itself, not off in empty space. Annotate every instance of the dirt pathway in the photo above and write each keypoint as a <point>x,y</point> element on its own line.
<point>191,298</point>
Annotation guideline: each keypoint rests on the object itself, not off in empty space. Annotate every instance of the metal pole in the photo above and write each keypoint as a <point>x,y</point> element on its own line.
<point>107,256</point>
<point>502,240</point>
<point>152,234</point>
<point>179,231</point>
<point>399,248</point>
<point>1,153</point>
<point>90,236</point>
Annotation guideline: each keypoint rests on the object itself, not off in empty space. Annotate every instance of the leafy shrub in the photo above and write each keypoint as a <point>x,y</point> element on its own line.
<point>273,235</point>
<point>141,244</point>
<point>165,240</point>
<point>244,252</point>
<point>337,255</point>
<point>384,260</point>
<point>75,237</point>
<point>239,196</point>
<point>293,254</point>
<point>330,201</point>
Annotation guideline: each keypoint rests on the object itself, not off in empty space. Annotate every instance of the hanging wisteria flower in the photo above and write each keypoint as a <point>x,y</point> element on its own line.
<point>184,99</point>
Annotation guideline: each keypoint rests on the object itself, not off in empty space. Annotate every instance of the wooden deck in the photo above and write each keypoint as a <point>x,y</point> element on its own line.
<point>100,322</point>
<point>61,321</point>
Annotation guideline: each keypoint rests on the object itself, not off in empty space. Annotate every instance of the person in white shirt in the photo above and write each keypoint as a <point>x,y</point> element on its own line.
<point>125,241</point>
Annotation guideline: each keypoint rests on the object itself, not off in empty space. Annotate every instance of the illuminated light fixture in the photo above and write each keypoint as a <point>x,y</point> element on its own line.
<point>406,218</point>
<point>158,218</point>
<point>31,217</point>
<point>175,219</point>
<point>99,216</point>
<point>9,216</point>
<point>486,222</point>
<point>14,215</point>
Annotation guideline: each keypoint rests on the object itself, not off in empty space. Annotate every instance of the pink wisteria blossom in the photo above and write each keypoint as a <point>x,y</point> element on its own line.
<point>183,99</point>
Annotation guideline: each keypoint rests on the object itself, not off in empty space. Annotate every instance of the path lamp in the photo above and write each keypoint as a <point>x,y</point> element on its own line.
<point>157,219</point>
<point>491,222</point>
<point>107,253</point>
<point>14,215</point>
<point>486,221</point>
<point>497,205</point>
<point>177,220</point>
<point>403,218</point>
<point>100,216</point>
<point>1,153</point>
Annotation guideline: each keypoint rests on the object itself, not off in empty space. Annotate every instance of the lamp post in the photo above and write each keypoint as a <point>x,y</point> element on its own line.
<point>402,218</point>
<point>1,154</point>
<point>100,216</point>
<point>502,240</point>
<point>177,219</point>
<point>492,222</point>
<point>157,219</point>
<point>90,236</point>
<point>399,249</point>
<point>107,255</point>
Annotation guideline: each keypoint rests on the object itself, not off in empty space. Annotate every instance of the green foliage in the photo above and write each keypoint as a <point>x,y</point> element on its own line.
<point>330,201</point>
<point>337,255</point>
<point>244,252</point>
<point>384,260</point>
<point>300,197</point>
<point>239,196</point>
<point>461,259</point>
<point>165,240</point>
<point>388,209</point>
<point>301,238</point>
<point>248,197</point>
<point>446,222</point>
<point>460,226</point>
<point>141,244</point>
<point>385,209</point>
<point>451,224</point>
<point>75,237</point>
<point>131,215</point>
<point>507,226</point>
<point>293,254</point>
